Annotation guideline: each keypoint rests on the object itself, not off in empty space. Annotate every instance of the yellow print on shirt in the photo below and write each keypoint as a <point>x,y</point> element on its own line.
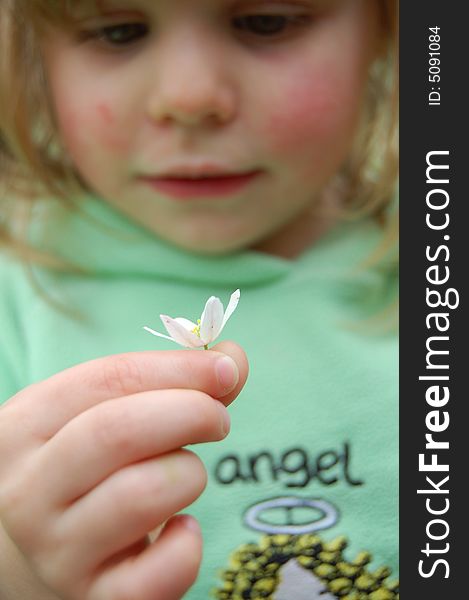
<point>303,567</point>
<point>290,563</point>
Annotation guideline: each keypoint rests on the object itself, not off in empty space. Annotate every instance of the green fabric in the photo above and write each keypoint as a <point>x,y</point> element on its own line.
<point>316,421</point>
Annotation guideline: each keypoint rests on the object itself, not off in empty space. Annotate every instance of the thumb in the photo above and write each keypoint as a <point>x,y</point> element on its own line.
<point>239,356</point>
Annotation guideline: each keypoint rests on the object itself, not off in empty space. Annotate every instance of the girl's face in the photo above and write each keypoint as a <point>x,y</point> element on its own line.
<point>214,123</point>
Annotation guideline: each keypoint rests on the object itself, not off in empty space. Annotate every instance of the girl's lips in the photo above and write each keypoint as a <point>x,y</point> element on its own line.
<point>187,188</point>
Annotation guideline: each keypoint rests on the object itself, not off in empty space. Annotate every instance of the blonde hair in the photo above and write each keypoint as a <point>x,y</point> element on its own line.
<point>32,166</point>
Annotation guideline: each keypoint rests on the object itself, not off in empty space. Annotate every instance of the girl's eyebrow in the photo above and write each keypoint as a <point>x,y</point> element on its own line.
<point>316,6</point>
<point>96,8</point>
<point>102,7</point>
<point>106,5</point>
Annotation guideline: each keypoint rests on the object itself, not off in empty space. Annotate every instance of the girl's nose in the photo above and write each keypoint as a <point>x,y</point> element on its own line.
<point>192,87</point>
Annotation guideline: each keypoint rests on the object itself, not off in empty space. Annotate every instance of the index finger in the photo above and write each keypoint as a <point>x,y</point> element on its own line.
<point>62,397</point>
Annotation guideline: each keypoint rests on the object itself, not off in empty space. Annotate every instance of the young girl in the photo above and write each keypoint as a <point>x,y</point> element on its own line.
<point>153,154</point>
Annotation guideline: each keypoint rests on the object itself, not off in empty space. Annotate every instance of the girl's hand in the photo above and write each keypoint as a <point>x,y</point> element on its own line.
<point>91,461</point>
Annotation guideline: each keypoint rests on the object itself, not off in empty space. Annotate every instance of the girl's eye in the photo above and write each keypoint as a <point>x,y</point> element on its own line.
<point>264,25</point>
<point>123,34</point>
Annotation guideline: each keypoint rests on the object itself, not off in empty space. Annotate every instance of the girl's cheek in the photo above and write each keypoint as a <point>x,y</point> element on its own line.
<point>104,111</point>
<point>93,130</point>
<point>113,137</point>
<point>313,114</point>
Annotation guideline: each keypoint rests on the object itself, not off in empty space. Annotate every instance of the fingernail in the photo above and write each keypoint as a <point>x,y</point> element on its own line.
<point>227,373</point>
<point>191,523</point>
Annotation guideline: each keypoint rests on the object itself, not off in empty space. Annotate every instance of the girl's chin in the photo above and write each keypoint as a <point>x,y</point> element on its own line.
<point>211,248</point>
<point>208,244</point>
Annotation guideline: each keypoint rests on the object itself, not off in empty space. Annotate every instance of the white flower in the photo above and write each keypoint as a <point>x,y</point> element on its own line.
<point>208,327</point>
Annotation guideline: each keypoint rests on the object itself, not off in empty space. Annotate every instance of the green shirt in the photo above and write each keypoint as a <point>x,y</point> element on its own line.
<point>303,494</point>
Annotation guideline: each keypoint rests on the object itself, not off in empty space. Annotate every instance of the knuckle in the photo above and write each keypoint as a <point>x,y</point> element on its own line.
<point>120,375</point>
<point>11,495</point>
<point>52,568</point>
<point>33,533</point>
<point>15,506</point>
<point>14,418</point>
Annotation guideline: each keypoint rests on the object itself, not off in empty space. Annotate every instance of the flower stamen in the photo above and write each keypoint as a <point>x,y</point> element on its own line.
<point>196,329</point>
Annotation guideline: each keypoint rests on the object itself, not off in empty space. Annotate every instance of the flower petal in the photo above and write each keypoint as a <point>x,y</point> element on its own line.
<point>233,303</point>
<point>153,332</point>
<point>189,325</point>
<point>211,319</point>
<point>180,334</point>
